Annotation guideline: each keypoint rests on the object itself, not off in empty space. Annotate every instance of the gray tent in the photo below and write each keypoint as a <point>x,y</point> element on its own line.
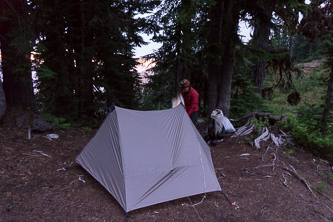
<point>148,157</point>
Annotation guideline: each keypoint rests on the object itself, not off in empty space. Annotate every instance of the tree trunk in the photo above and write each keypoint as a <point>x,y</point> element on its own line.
<point>15,52</point>
<point>214,69</point>
<point>2,101</point>
<point>179,74</point>
<point>212,87</point>
<point>86,84</point>
<point>184,44</point>
<point>258,74</point>
<point>291,46</point>
<point>226,79</point>
<point>328,104</point>
<point>261,38</point>
<point>230,38</point>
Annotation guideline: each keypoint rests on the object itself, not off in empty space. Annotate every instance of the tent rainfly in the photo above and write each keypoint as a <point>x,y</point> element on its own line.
<point>147,157</point>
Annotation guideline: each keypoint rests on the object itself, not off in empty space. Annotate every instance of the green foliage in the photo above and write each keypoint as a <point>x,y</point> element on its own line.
<point>304,50</point>
<point>58,122</point>
<point>321,186</point>
<point>327,176</point>
<point>158,92</point>
<point>259,124</point>
<point>289,152</point>
<point>305,129</point>
<point>249,139</point>
<point>314,81</point>
<point>245,99</point>
<point>305,119</point>
<point>281,124</point>
<point>87,128</point>
<point>84,55</point>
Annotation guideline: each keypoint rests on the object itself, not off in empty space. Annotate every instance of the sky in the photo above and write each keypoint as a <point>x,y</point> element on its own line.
<point>152,46</point>
<point>147,49</point>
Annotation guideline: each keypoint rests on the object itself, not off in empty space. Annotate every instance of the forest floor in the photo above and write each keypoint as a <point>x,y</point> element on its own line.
<point>39,182</point>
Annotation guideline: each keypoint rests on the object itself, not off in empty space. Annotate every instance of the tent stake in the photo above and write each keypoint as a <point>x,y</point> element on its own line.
<point>127,216</point>
<point>226,197</point>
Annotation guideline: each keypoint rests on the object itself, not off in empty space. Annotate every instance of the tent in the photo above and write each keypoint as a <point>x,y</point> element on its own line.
<point>147,157</point>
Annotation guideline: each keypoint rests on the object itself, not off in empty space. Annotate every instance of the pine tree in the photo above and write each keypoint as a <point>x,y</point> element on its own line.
<point>15,51</point>
<point>55,57</point>
<point>175,60</point>
<point>87,46</point>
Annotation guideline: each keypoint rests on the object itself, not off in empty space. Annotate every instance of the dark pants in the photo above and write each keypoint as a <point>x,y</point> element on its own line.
<point>194,117</point>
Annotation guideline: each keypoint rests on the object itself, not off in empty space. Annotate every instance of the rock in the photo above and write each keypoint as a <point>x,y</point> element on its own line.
<point>33,122</point>
<point>41,125</point>
<point>23,120</point>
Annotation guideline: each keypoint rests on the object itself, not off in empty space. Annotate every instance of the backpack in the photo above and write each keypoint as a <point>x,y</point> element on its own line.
<point>215,128</point>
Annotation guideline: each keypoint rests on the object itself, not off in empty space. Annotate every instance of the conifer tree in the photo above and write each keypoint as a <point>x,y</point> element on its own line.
<point>55,57</point>
<point>318,22</point>
<point>87,46</point>
<point>175,60</point>
<point>266,16</point>
<point>16,49</point>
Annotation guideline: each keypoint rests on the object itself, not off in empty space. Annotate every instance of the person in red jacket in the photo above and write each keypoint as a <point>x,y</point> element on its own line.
<point>191,99</point>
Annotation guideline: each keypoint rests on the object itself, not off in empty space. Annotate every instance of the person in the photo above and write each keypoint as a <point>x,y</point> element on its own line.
<point>191,99</point>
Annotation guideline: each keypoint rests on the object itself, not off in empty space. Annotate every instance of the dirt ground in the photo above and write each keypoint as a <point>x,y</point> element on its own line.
<point>39,182</point>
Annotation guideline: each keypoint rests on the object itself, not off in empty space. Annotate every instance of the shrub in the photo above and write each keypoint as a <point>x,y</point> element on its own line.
<point>305,129</point>
<point>58,122</point>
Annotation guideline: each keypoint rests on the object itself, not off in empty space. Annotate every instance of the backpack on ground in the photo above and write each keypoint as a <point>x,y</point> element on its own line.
<point>215,128</point>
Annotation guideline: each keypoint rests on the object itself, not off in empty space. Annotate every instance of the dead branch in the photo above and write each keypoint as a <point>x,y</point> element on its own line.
<point>36,153</point>
<point>262,157</point>
<point>261,137</point>
<point>324,195</point>
<point>259,199</point>
<point>272,119</point>
<point>285,180</point>
<point>258,167</point>
<point>293,172</point>
<point>244,130</point>
<point>274,158</point>
<point>265,136</point>
<point>302,179</point>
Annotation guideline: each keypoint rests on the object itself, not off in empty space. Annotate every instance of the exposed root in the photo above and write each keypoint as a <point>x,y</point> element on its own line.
<point>244,130</point>
<point>248,128</point>
<point>285,180</point>
<point>265,136</point>
<point>268,148</point>
<point>293,172</point>
<point>261,137</point>
<point>302,179</point>
<point>323,194</point>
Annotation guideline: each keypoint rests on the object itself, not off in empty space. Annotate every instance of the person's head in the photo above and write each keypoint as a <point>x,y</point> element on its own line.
<point>185,85</point>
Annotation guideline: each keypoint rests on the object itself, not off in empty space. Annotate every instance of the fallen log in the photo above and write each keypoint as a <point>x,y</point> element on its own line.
<point>272,119</point>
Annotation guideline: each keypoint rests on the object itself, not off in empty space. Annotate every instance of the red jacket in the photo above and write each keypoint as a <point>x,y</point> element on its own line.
<point>191,100</point>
